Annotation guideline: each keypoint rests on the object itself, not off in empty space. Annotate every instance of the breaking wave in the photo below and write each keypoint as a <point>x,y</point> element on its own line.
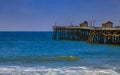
<point>19,70</point>
<point>38,58</point>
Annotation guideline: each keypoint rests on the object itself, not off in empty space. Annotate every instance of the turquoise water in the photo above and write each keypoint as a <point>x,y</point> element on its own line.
<point>35,53</point>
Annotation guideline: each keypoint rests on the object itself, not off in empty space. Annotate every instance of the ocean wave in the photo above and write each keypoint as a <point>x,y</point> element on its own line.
<point>19,70</point>
<point>39,58</point>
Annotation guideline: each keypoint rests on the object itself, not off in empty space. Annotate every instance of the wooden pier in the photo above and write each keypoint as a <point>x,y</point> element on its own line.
<point>103,35</point>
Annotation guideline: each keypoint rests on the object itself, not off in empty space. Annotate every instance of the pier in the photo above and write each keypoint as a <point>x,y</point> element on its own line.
<point>107,34</point>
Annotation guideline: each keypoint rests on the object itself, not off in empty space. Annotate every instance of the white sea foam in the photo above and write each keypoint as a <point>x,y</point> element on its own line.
<point>17,70</point>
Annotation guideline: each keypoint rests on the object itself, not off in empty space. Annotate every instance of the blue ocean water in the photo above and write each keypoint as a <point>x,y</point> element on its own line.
<point>35,53</point>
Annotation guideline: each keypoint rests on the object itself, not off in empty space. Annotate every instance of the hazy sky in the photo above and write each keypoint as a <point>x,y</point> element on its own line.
<point>30,15</point>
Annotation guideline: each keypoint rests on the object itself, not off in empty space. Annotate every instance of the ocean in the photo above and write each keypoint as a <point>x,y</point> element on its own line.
<point>35,53</point>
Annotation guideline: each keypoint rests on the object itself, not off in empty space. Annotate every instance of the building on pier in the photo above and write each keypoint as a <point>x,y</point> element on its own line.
<point>84,24</point>
<point>107,24</point>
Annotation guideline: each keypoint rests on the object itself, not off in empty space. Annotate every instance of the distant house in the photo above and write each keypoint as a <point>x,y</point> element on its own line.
<point>107,24</point>
<point>84,24</point>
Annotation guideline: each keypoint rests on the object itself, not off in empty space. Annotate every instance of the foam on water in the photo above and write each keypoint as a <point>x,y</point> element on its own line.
<point>18,70</point>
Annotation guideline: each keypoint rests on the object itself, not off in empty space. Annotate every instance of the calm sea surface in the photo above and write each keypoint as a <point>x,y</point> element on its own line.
<point>35,53</point>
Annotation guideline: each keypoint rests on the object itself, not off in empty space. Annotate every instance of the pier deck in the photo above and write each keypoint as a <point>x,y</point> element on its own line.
<point>89,34</point>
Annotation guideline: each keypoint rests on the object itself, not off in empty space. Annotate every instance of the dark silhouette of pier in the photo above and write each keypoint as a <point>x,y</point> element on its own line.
<point>107,34</point>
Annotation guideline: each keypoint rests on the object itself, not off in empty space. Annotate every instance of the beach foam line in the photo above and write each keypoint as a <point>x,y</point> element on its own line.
<point>17,70</point>
<point>38,58</point>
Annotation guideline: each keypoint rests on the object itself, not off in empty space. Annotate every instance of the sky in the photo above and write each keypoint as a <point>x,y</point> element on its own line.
<point>41,15</point>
